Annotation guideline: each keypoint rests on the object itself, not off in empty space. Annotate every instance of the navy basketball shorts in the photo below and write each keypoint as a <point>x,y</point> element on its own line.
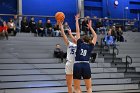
<point>81,70</point>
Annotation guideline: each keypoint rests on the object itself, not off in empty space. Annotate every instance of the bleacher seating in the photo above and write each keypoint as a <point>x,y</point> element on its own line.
<point>27,65</point>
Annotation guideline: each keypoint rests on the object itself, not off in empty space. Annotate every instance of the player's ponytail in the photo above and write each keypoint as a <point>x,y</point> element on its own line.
<point>86,39</point>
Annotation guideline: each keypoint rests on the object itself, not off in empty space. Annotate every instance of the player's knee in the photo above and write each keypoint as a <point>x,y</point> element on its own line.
<point>77,91</point>
<point>69,85</point>
<point>89,90</point>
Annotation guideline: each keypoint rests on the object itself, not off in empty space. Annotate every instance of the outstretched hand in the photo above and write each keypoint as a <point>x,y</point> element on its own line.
<point>69,31</point>
<point>77,17</point>
<point>59,23</point>
<point>89,24</point>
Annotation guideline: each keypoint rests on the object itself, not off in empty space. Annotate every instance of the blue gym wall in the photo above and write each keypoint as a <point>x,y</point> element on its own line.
<point>100,8</point>
<point>50,7</point>
<point>93,8</point>
<point>7,7</point>
<point>97,8</point>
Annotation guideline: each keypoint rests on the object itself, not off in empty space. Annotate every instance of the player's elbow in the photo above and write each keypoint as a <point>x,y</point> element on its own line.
<point>95,36</point>
<point>94,40</point>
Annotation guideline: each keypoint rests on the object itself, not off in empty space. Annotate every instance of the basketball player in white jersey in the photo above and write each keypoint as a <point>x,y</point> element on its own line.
<point>71,49</point>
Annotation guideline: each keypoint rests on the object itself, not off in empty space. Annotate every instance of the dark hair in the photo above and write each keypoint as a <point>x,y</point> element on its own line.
<point>47,18</point>
<point>3,23</point>
<point>11,19</point>
<point>57,44</point>
<point>86,39</point>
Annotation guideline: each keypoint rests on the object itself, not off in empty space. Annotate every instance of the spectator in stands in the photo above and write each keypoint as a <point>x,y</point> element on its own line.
<point>106,24</point>
<point>5,32</point>
<point>111,23</point>
<point>109,39</point>
<point>25,25</point>
<point>32,25</point>
<point>56,31</point>
<point>16,21</point>
<point>99,27</point>
<point>84,26</point>
<point>93,57</point>
<point>114,33</point>
<point>58,52</point>
<point>11,28</point>
<point>48,28</point>
<point>1,32</point>
<point>120,35</point>
<point>66,27</point>
<point>40,29</point>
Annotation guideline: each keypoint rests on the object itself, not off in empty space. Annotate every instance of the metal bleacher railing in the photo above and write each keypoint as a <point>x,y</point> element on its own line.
<point>27,15</point>
<point>127,62</point>
<point>125,24</point>
<point>6,17</point>
<point>113,55</point>
<point>101,47</point>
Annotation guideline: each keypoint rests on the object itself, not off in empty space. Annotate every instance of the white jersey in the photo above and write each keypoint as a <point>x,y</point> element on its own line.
<point>71,49</point>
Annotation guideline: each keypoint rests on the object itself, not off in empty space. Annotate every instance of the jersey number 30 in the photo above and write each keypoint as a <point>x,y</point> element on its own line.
<point>83,52</point>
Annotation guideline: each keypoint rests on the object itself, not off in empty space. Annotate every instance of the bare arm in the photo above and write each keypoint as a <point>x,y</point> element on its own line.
<point>63,34</point>
<point>77,27</point>
<point>93,33</point>
<point>72,37</point>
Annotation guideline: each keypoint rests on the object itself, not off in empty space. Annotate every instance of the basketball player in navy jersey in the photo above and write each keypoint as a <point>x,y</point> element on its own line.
<point>71,49</point>
<point>81,67</point>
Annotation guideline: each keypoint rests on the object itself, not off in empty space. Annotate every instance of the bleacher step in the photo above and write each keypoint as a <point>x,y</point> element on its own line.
<point>27,61</point>
<point>110,59</point>
<point>123,69</point>
<point>64,89</point>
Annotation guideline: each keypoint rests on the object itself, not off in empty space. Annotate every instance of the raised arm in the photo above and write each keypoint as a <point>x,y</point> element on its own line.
<point>93,32</point>
<point>77,26</point>
<point>71,36</point>
<point>63,34</point>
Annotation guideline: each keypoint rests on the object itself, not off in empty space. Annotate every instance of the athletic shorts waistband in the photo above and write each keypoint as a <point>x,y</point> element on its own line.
<point>81,62</point>
<point>69,61</point>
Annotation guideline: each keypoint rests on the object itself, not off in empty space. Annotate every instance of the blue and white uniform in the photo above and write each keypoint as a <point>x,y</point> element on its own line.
<point>71,49</point>
<point>81,64</point>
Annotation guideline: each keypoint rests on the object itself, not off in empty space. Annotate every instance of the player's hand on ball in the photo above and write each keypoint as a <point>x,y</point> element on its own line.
<point>59,23</point>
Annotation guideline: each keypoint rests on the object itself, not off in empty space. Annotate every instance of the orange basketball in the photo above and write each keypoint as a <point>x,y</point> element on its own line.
<point>60,16</point>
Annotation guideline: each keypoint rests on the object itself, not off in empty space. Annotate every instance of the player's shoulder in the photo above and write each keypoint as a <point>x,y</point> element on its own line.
<point>71,44</point>
<point>91,45</point>
<point>79,41</point>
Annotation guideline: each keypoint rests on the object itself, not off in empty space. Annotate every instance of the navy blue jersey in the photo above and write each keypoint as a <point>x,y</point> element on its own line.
<point>83,51</point>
